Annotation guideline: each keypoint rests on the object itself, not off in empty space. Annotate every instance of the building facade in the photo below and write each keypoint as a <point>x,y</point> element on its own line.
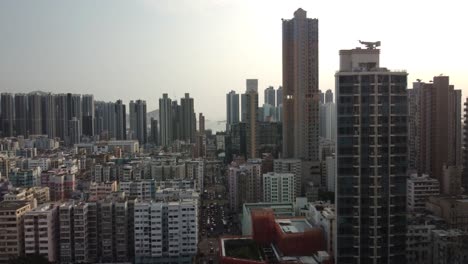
<point>300,87</point>
<point>371,158</point>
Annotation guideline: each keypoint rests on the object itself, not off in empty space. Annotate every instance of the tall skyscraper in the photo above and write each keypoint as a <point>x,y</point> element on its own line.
<point>120,121</point>
<point>188,119</point>
<point>464,180</point>
<point>21,114</point>
<point>74,107</point>
<point>88,112</point>
<point>279,96</point>
<point>270,96</point>
<point>252,85</point>
<point>329,96</point>
<point>138,120</point>
<point>251,122</point>
<point>201,123</point>
<point>371,157</point>
<point>7,115</point>
<point>75,131</point>
<point>435,127</point>
<point>49,121</point>
<point>232,109</point>
<point>165,120</point>
<point>154,131</point>
<point>300,83</point>
<point>61,101</point>
<point>176,121</point>
<point>35,113</point>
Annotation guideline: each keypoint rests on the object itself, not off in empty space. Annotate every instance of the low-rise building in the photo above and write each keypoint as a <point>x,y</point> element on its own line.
<point>100,190</point>
<point>280,210</point>
<point>418,191</point>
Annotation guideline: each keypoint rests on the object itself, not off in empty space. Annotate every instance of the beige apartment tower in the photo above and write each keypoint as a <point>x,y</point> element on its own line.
<point>435,128</point>
<point>301,96</point>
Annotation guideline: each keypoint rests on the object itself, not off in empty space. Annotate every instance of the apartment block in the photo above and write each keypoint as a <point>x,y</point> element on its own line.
<point>165,232</point>
<point>12,229</point>
<point>419,189</point>
<point>278,187</point>
<point>73,219</point>
<point>41,232</point>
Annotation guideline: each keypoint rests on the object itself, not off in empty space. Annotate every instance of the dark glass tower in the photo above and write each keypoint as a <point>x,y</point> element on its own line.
<point>371,159</point>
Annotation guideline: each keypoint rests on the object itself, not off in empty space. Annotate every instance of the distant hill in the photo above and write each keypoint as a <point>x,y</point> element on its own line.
<point>153,114</point>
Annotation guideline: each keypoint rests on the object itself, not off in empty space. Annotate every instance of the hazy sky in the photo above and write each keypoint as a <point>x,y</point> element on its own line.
<point>139,49</point>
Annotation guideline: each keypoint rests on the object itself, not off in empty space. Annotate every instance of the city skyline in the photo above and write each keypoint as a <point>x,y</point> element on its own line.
<point>88,48</point>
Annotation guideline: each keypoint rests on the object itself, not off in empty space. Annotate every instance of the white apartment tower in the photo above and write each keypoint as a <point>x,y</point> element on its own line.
<point>166,231</point>
<point>278,187</point>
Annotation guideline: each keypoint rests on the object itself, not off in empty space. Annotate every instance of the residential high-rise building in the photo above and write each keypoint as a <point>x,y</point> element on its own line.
<point>464,180</point>
<point>154,136</point>
<point>35,113</point>
<point>435,127</point>
<point>251,86</point>
<point>138,120</point>
<point>165,232</point>
<point>245,184</point>
<point>49,112</point>
<point>120,121</point>
<point>108,230</point>
<point>21,114</point>
<point>371,157</point>
<point>12,229</point>
<point>270,97</point>
<point>73,232</point>
<point>232,109</point>
<point>300,83</point>
<point>329,96</point>
<point>165,121</point>
<point>88,115</point>
<point>201,123</point>
<point>279,96</point>
<point>414,126</point>
<point>41,232</point>
<point>7,115</point>
<point>176,121</point>
<point>74,108</point>
<point>278,187</point>
<point>293,166</point>
<point>75,131</point>
<point>61,116</point>
<point>330,163</point>
<point>188,119</point>
<point>328,121</point>
<point>251,122</point>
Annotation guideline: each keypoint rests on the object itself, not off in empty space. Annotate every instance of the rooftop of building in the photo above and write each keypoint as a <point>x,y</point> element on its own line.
<point>47,207</point>
<point>241,248</point>
<point>278,208</point>
<point>294,225</point>
<point>12,205</point>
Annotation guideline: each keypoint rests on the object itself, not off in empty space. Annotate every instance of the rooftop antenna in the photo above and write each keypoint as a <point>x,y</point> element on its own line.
<point>369,44</point>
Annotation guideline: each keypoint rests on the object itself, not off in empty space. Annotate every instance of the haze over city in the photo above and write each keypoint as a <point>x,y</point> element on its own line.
<point>140,49</point>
